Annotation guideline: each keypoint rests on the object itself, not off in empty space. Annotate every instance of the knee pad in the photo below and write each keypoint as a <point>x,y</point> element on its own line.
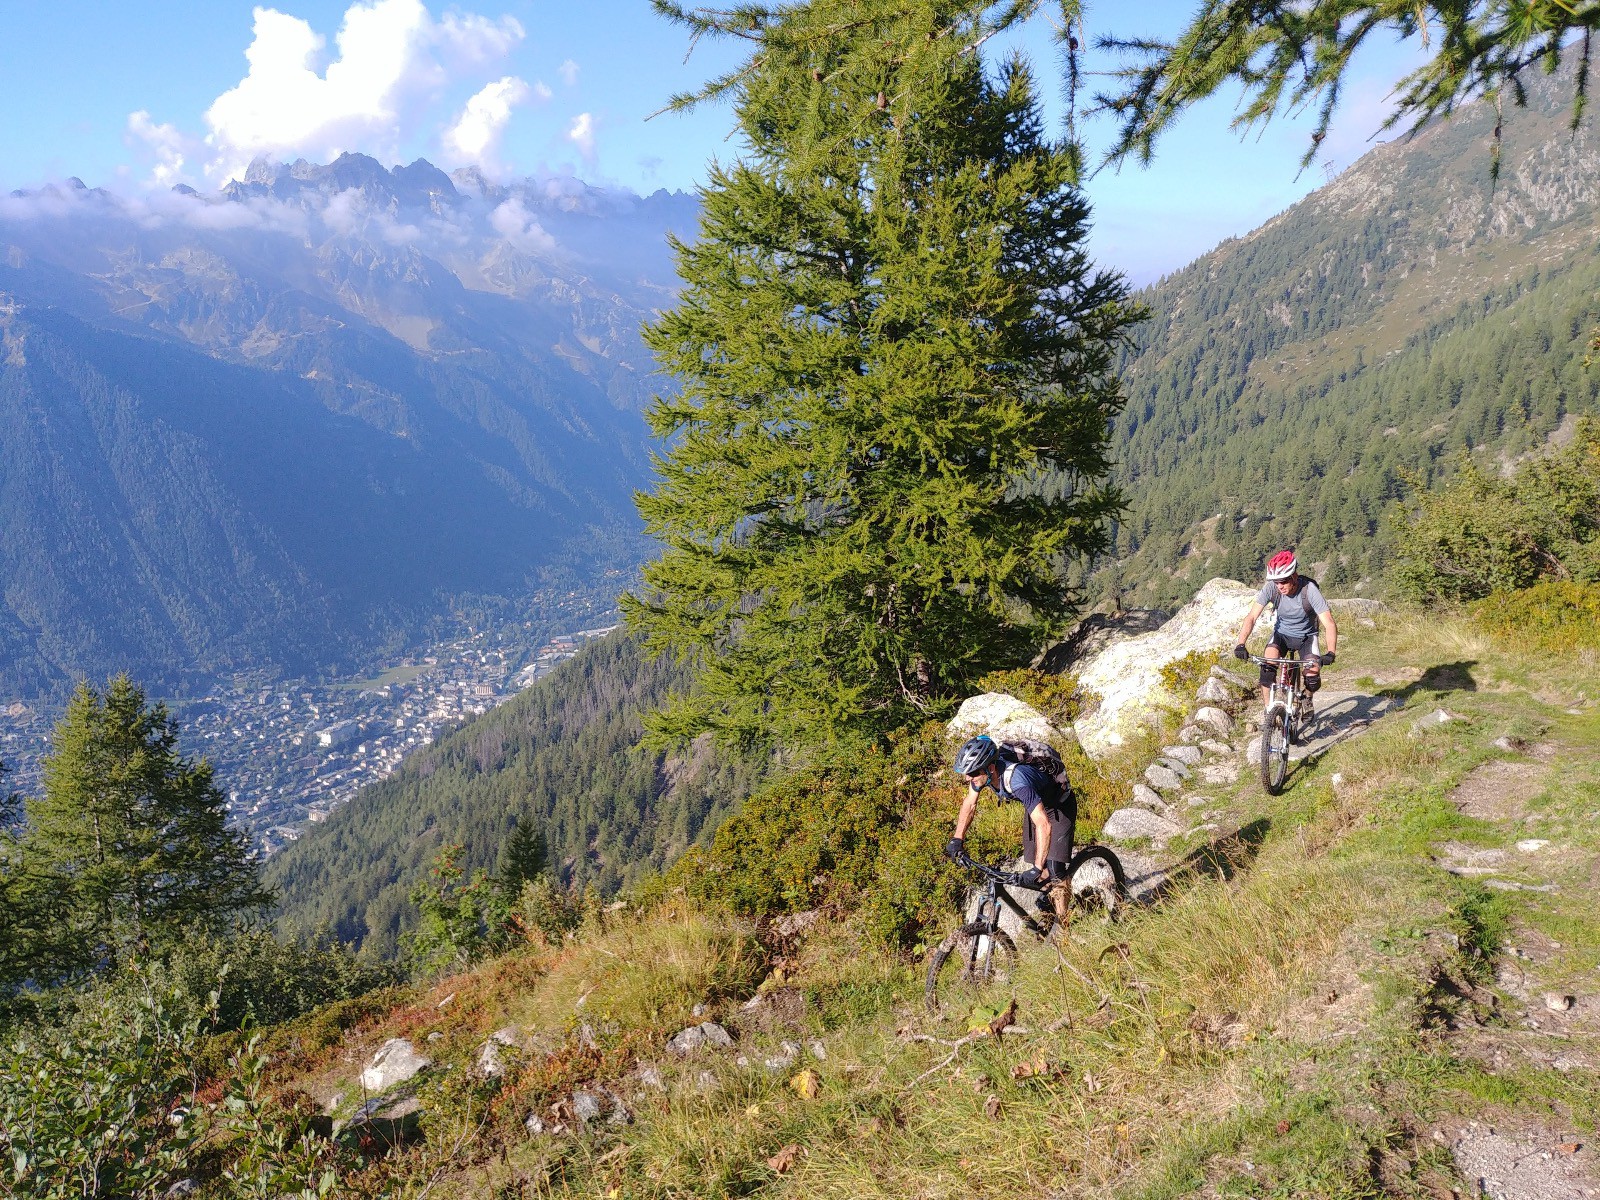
<point>1313,682</point>
<point>1268,674</point>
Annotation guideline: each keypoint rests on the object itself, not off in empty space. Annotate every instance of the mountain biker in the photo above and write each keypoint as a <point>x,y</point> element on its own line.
<point>1047,818</point>
<point>1301,608</point>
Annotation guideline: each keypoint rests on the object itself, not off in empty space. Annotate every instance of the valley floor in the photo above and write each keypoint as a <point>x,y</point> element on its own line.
<point>1383,983</point>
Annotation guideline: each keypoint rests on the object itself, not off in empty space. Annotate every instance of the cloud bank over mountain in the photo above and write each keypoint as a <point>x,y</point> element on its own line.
<point>394,71</point>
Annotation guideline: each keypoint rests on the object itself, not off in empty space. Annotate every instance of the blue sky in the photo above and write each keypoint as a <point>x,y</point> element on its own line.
<point>152,92</point>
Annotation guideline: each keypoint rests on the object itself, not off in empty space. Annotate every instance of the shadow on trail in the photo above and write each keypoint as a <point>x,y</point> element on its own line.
<point>1224,858</point>
<point>1445,677</point>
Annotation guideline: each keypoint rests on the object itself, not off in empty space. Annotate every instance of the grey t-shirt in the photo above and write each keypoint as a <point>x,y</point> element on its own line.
<point>1297,614</point>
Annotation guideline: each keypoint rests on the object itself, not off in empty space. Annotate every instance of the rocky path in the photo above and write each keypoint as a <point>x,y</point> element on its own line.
<point>1341,715</point>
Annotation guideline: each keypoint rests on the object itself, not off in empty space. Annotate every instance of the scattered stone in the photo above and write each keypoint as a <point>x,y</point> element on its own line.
<point>707,1033</point>
<point>1163,779</point>
<point>1252,752</point>
<point>1214,691</point>
<point>489,1060</point>
<point>781,1062</point>
<point>1002,716</point>
<point>1197,801</point>
<point>1189,756</point>
<point>795,924</point>
<point>184,1187</point>
<point>395,1062</point>
<point>535,1125</point>
<point>1129,824</point>
<point>1181,770</point>
<point>620,1113</point>
<point>742,1061</point>
<point>1212,746</point>
<point>819,1052</point>
<point>1532,845</point>
<point>1437,717</point>
<point>435,1036</point>
<point>1220,773</point>
<point>1215,720</point>
<point>586,1037</point>
<point>1558,1001</point>
<point>1511,745</point>
<point>586,1107</point>
<point>706,1082</point>
<point>1148,797</point>
<point>650,1077</point>
<point>1191,734</point>
<point>1336,779</point>
<point>699,1010</point>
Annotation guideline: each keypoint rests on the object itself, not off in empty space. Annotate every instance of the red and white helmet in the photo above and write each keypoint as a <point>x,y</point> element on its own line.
<point>1281,566</point>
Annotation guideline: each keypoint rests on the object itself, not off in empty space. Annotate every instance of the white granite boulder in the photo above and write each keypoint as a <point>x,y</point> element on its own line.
<point>1126,676</point>
<point>1189,756</point>
<point>695,1037</point>
<point>1214,719</point>
<point>1131,824</point>
<point>396,1061</point>
<point>1162,779</point>
<point>1002,716</point>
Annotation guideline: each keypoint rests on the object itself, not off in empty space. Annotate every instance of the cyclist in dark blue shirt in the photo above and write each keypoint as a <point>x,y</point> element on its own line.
<point>1047,826</point>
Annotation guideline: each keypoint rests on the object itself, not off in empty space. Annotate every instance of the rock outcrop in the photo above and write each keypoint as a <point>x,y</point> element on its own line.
<point>1126,676</point>
<point>1002,716</point>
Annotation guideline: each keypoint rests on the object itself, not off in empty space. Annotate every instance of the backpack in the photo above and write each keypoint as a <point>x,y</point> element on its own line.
<point>1042,757</point>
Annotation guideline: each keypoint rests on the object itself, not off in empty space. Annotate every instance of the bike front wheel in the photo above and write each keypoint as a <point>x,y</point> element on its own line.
<point>1274,751</point>
<point>968,965</point>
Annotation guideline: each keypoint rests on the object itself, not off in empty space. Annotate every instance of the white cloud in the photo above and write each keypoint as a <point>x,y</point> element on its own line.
<point>581,135</point>
<point>541,89</point>
<point>568,72</point>
<point>477,130</point>
<point>168,147</point>
<point>393,59</point>
<point>517,225</point>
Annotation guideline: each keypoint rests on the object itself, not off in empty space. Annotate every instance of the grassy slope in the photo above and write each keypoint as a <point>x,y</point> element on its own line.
<point>1300,1015</point>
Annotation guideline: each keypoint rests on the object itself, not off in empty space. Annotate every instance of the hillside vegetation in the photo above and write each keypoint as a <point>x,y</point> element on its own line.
<point>1339,994</point>
<point>563,756</point>
<point>1292,384</point>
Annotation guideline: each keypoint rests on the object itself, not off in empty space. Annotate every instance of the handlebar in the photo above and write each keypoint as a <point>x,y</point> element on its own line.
<point>1010,878</point>
<point>1281,662</point>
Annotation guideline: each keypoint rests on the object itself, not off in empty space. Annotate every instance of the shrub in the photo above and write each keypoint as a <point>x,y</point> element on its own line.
<point>1479,534</point>
<point>1547,616</point>
<point>1056,696</point>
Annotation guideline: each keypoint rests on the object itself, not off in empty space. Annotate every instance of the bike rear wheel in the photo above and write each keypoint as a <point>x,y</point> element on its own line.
<point>1274,751</point>
<point>1110,894</point>
<point>968,965</point>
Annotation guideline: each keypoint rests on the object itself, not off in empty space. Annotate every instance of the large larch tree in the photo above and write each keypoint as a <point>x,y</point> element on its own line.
<point>895,363</point>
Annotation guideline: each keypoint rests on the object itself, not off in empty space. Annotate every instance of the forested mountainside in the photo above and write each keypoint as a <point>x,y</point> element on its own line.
<point>281,424</point>
<point>1289,382</point>
<point>564,755</point>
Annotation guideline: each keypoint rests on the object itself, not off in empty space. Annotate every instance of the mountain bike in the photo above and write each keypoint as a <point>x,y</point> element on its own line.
<point>979,955</point>
<point>1287,712</point>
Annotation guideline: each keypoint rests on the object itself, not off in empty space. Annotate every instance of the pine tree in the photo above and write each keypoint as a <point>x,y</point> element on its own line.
<point>890,338</point>
<point>133,835</point>
<point>524,856</point>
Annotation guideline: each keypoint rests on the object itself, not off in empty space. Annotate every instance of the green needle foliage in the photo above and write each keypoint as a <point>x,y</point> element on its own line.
<point>1292,54</point>
<point>889,337</point>
<point>130,838</point>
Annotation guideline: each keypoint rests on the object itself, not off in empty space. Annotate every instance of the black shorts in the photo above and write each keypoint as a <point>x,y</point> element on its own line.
<point>1062,829</point>
<point>1304,648</point>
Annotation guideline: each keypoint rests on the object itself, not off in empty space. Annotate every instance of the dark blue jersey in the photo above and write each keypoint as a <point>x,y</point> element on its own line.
<point>1027,785</point>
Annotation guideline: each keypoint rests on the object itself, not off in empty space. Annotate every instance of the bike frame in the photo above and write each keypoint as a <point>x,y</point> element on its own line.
<point>994,894</point>
<point>1288,685</point>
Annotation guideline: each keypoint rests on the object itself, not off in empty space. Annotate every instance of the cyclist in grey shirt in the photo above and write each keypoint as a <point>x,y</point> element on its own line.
<point>1301,609</point>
